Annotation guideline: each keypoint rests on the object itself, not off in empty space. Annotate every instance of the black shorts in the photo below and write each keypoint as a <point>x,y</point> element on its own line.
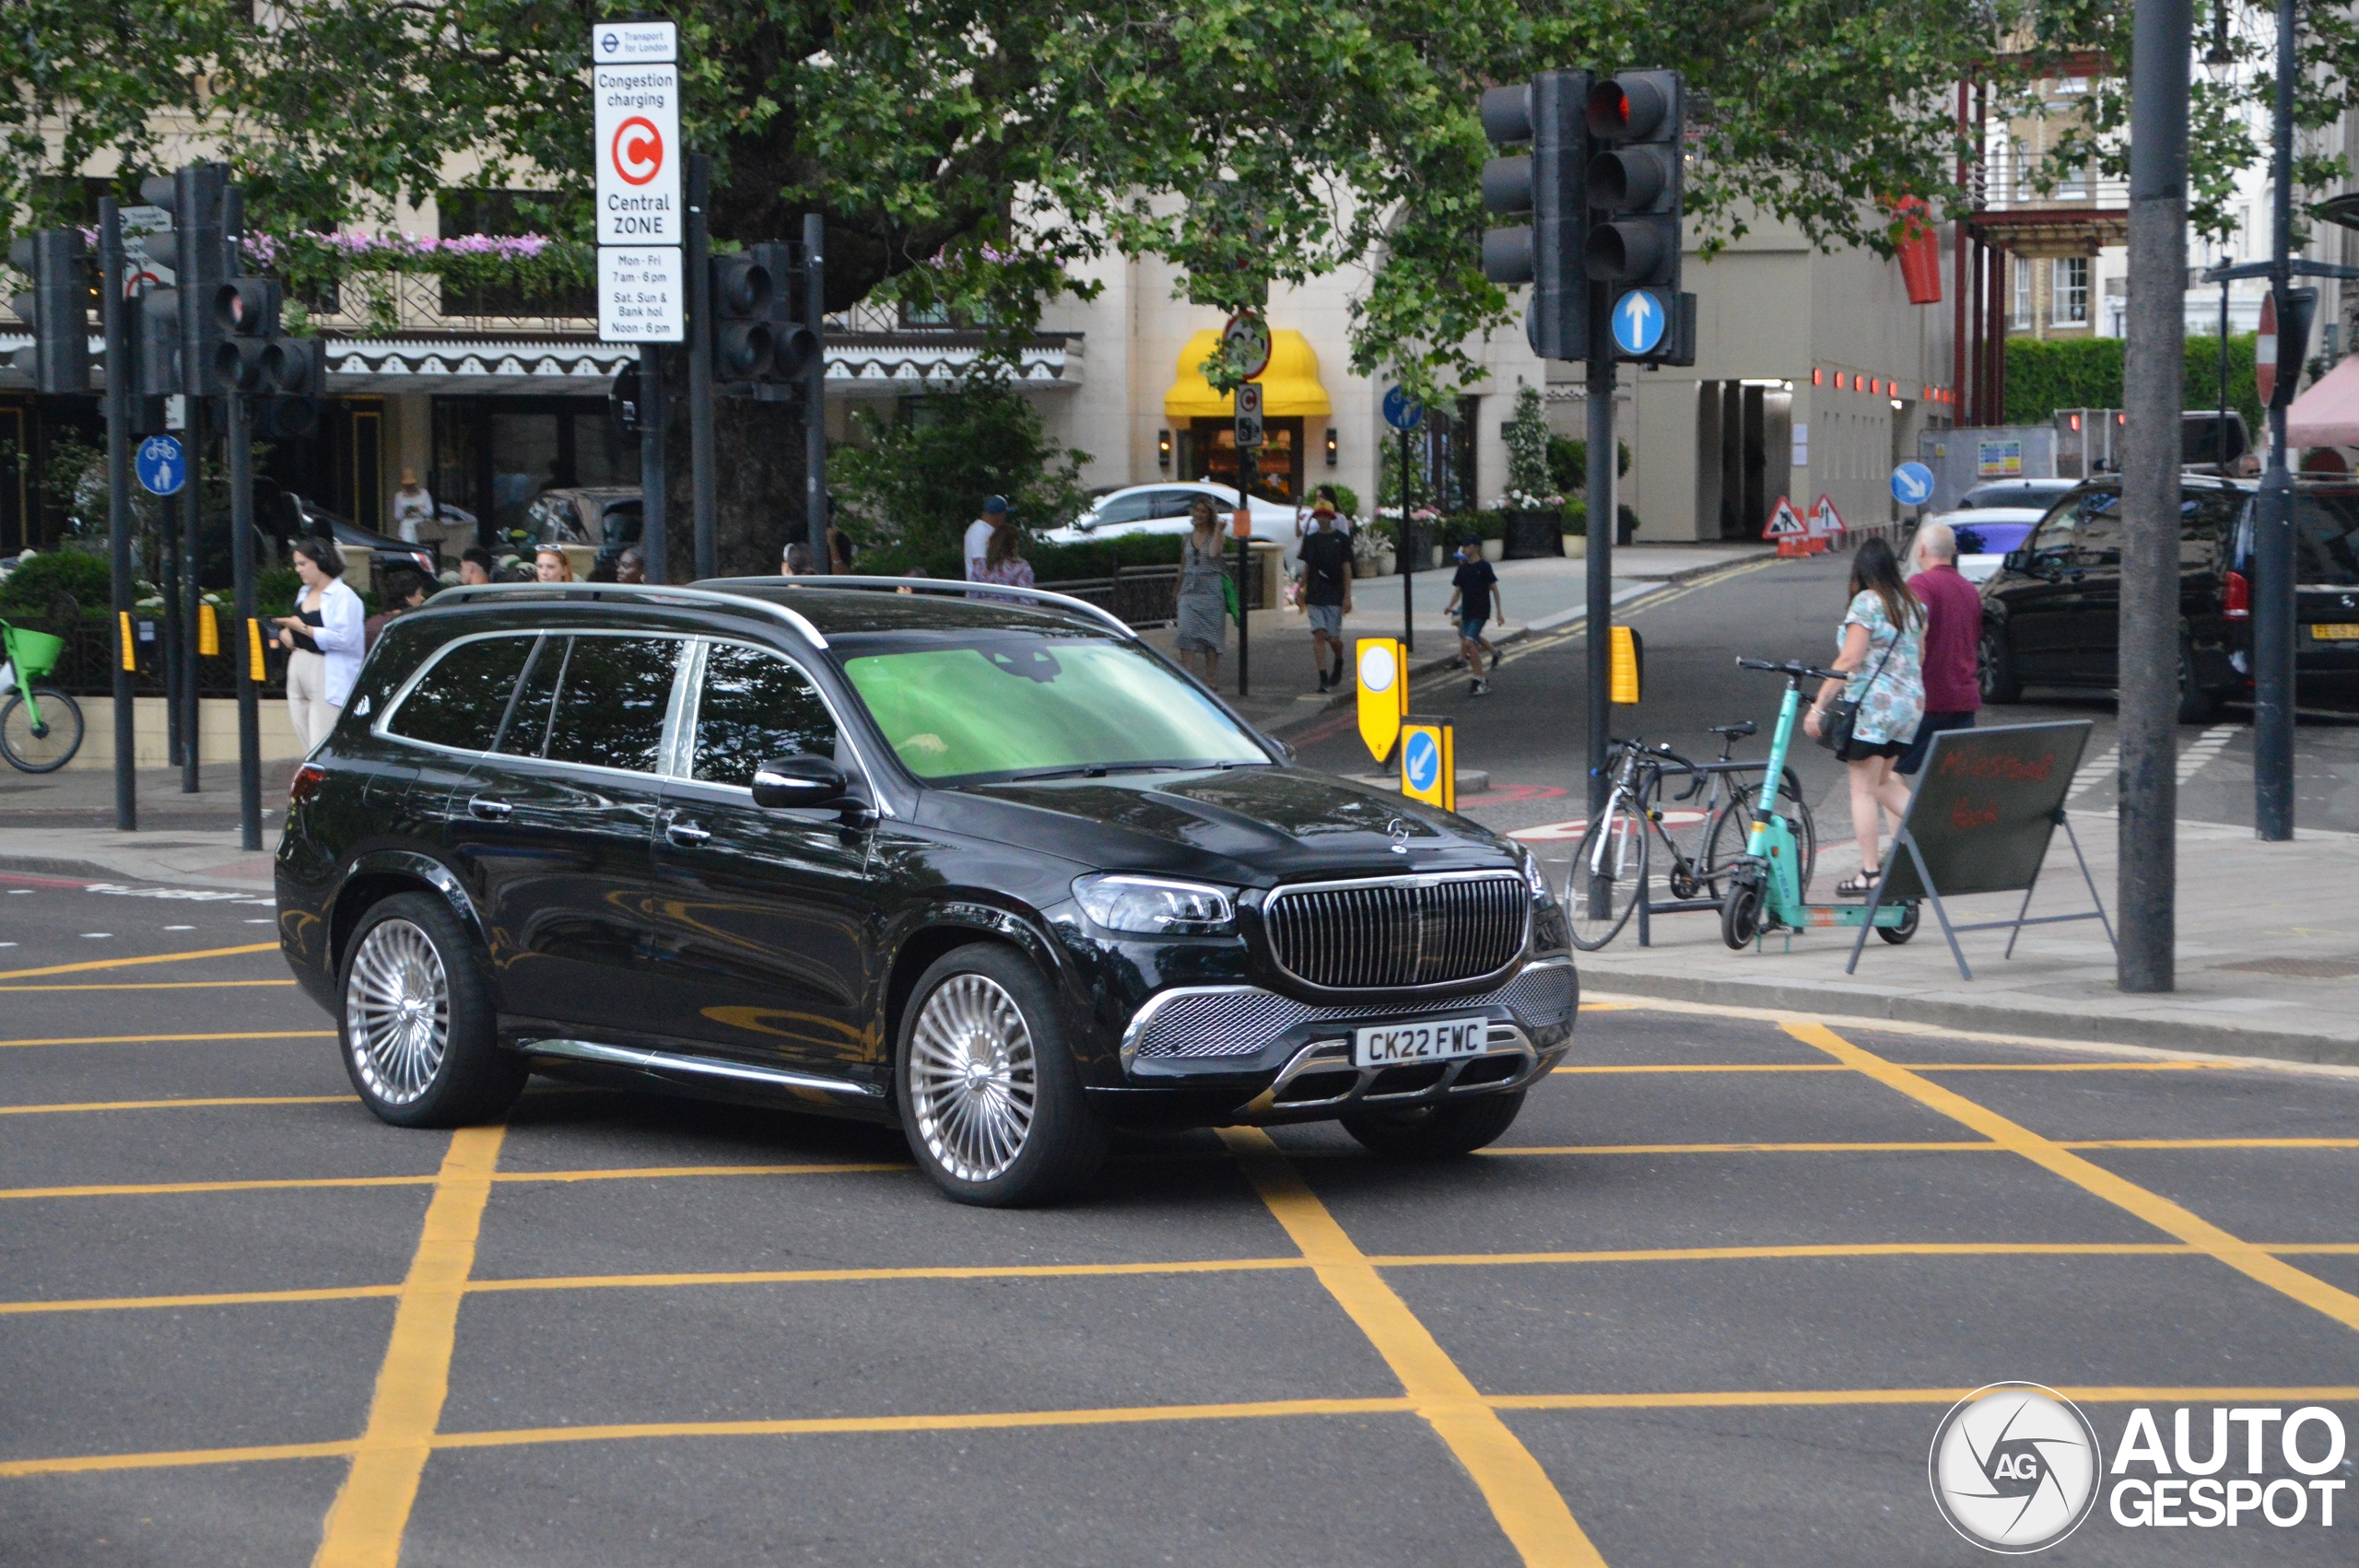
<point>1859,751</point>
<point>1927,727</point>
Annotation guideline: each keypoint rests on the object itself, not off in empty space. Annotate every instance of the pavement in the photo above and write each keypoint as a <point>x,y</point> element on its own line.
<point>1707,1301</point>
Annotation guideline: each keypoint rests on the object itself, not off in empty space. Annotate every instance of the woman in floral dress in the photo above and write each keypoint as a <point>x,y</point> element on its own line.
<point>1883,642</point>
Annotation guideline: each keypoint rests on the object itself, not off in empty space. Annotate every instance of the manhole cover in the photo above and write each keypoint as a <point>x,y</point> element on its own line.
<point>2300,968</point>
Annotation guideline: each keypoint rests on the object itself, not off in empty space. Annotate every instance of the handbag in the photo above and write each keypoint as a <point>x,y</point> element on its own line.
<point>1842,714</point>
<point>1229,599</point>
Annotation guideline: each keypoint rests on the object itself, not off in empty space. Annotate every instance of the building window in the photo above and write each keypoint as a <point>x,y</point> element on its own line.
<point>2069,292</point>
<point>2021,312</point>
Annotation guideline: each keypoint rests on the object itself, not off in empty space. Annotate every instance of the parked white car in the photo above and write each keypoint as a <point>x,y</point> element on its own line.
<point>1986,534</point>
<point>1164,509</point>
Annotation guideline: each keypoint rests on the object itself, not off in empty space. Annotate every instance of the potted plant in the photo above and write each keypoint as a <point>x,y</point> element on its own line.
<point>1532,511</point>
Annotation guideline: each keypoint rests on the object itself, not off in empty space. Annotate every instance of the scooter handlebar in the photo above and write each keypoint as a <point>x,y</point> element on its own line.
<point>1800,672</point>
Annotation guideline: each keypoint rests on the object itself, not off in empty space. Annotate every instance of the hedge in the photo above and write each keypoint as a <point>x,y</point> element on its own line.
<point>2086,373</point>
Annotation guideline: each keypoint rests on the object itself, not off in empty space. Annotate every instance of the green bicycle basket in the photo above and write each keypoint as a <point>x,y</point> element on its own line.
<point>36,653</point>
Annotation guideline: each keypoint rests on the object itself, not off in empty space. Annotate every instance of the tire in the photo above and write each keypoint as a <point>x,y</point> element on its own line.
<point>2195,705</point>
<point>1995,667</point>
<point>54,744</point>
<point>1435,1132</point>
<point>416,1027</point>
<point>1732,828</point>
<point>1608,874</point>
<point>990,1101</point>
<point>1898,935</point>
<point>1740,912</point>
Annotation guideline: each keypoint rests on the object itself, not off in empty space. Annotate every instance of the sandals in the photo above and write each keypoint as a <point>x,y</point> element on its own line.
<point>1860,886</point>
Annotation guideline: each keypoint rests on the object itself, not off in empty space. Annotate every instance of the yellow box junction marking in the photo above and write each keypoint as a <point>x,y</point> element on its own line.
<point>371,1509</point>
<point>1527,1505</point>
<point>2243,1256</point>
<point>127,963</point>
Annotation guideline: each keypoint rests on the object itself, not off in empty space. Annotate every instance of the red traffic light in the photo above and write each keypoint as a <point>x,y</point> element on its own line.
<point>1629,108</point>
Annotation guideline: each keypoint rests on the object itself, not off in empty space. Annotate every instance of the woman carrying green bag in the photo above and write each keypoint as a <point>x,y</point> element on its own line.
<point>1207,597</point>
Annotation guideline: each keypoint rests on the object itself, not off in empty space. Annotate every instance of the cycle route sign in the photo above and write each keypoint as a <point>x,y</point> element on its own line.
<point>161,465</point>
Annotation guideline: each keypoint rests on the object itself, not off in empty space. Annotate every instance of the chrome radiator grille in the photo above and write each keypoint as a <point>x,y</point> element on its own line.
<point>1398,931</point>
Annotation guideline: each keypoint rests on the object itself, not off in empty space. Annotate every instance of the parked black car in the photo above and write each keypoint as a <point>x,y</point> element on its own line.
<point>973,861</point>
<point>2052,616</point>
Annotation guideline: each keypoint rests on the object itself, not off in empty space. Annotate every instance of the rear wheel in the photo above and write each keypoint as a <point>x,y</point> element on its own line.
<point>46,746</point>
<point>420,1037</point>
<point>1430,1132</point>
<point>2195,705</point>
<point>1607,876</point>
<point>1903,931</point>
<point>990,1101</point>
<point>1995,667</point>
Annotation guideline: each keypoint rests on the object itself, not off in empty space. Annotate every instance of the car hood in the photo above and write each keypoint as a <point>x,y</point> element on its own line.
<point>1244,825</point>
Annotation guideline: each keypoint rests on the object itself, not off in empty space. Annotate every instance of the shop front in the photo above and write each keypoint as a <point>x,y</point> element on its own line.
<point>1294,410</point>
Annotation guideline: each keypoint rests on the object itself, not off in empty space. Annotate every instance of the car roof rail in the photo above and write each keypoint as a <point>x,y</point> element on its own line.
<point>629,593</point>
<point>964,590</point>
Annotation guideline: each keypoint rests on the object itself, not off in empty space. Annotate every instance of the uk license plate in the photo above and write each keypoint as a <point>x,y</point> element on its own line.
<point>2335,631</point>
<point>1432,1039</point>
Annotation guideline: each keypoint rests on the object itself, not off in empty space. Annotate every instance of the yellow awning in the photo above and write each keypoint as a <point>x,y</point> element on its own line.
<point>1290,387</point>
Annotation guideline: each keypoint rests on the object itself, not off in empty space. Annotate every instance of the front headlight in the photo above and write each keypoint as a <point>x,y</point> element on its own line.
<point>1146,906</point>
<point>1534,877</point>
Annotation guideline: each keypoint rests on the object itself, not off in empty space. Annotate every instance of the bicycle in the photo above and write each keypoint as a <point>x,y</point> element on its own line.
<point>1610,869</point>
<point>40,726</point>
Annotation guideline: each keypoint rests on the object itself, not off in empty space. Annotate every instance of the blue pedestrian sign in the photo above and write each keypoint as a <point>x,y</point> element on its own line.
<point>163,468</point>
<point>1912,484</point>
<point>1640,318</point>
<point>1421,763</point>
<point>1399,413</point>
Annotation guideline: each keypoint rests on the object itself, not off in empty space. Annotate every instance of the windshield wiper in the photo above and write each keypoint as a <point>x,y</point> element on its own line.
<point>1100,769</point>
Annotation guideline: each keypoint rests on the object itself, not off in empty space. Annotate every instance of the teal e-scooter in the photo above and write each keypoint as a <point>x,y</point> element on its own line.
<point>1764,888</point>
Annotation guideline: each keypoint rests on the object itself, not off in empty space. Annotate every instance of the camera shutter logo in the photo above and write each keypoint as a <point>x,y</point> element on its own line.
<point>2014,1468</point>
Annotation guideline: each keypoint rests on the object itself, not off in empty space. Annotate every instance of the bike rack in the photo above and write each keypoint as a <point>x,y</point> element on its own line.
<point>1647,905</point>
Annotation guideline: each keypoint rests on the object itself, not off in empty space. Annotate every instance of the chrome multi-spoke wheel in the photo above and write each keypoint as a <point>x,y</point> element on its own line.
<point>397,1011</point>
<point>973,1077</point>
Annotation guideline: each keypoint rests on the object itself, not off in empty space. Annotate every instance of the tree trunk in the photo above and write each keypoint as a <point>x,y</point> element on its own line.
<point>757,493</point>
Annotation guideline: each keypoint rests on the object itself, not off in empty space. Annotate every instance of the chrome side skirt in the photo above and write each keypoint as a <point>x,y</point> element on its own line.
<point>695,1066</point>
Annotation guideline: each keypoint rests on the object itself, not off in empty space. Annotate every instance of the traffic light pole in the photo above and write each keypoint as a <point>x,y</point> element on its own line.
<point>815,392</point>
<point>2273,533</point>
<point>242,563</point>
<point>118,361</point>
<point>2153,384</point>
<point>700,446</point>
<point>1248,469</point>
<point>191,592</point>
<point>1602,515</point>
<point>650,460</point>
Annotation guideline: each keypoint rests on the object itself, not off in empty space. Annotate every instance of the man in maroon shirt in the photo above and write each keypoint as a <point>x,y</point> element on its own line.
<point>1953,632</point>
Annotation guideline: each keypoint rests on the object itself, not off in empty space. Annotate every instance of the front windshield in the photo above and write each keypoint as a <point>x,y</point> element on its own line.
<point>966,708</point>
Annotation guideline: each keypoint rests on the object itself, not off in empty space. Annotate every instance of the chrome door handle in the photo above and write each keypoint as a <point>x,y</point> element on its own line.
<point>490,810</point>
<point>685,832</point>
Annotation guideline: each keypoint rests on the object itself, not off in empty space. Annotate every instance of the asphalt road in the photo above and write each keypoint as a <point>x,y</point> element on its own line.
<point>1705,1303</point>
<point>1529,732</point>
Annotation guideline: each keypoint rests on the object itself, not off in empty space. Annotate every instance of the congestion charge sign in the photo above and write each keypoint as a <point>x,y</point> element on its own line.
<point>637,113</point>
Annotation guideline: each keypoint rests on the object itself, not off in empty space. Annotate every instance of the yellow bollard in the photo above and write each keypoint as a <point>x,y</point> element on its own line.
<point>1384,692</point>
<point>1623,666</point>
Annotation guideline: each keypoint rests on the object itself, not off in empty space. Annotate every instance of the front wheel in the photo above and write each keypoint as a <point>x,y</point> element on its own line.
<point>1435,1132</point>
<point>1740,910</point>
<point>1608,876</point>
<point>44,746</point>
<point>990,1101</point>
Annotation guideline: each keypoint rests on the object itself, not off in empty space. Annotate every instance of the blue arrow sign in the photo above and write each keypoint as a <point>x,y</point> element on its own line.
<point>1912,484</point>
<point>1423,759</point>
<point>162,466</point>
<point>1399,413</point>
<point>1639,319</point>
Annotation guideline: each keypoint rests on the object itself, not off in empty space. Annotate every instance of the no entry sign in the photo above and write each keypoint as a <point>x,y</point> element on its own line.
<point>637,142</point>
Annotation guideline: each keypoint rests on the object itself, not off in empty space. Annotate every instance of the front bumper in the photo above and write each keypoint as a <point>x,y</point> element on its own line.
<point>1266,1056</point>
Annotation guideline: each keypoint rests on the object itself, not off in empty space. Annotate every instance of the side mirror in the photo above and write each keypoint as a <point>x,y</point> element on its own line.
<point>2018,561</point>
<point>788,782</point>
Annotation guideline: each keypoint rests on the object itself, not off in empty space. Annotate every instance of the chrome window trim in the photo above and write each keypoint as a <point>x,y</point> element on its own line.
<point>1407,880</point>
<point>596,592</point>
<point>681,759</point>
<point>392,708</point>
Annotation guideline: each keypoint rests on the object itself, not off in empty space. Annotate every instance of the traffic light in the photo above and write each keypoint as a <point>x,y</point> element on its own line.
<point>155,345</point>
<point>295,374</point>
<point>196,196</point>
<point>1638,124</point>
<point>57,308</point>
<point>741,291</point>
<point>1550,183</point>
<point>794,343</point>
<point>246,309</point>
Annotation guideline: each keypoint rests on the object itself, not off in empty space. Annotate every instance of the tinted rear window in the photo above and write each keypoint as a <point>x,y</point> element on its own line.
<point>461,700</point>
<point>2326,539</point>
<point>611,702</point>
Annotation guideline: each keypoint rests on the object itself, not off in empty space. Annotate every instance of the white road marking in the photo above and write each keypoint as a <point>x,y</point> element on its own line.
<point>2210,744</point>
<point>93,936</point>
<point>2095,773</point>
<point>184,895</point>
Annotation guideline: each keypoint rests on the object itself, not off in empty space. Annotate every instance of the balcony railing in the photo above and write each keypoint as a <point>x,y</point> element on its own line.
<point>2017,189</point>
<point>379,304</point>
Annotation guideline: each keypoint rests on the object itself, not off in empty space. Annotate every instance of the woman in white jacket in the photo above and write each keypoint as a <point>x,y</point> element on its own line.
<point>325,638</point>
